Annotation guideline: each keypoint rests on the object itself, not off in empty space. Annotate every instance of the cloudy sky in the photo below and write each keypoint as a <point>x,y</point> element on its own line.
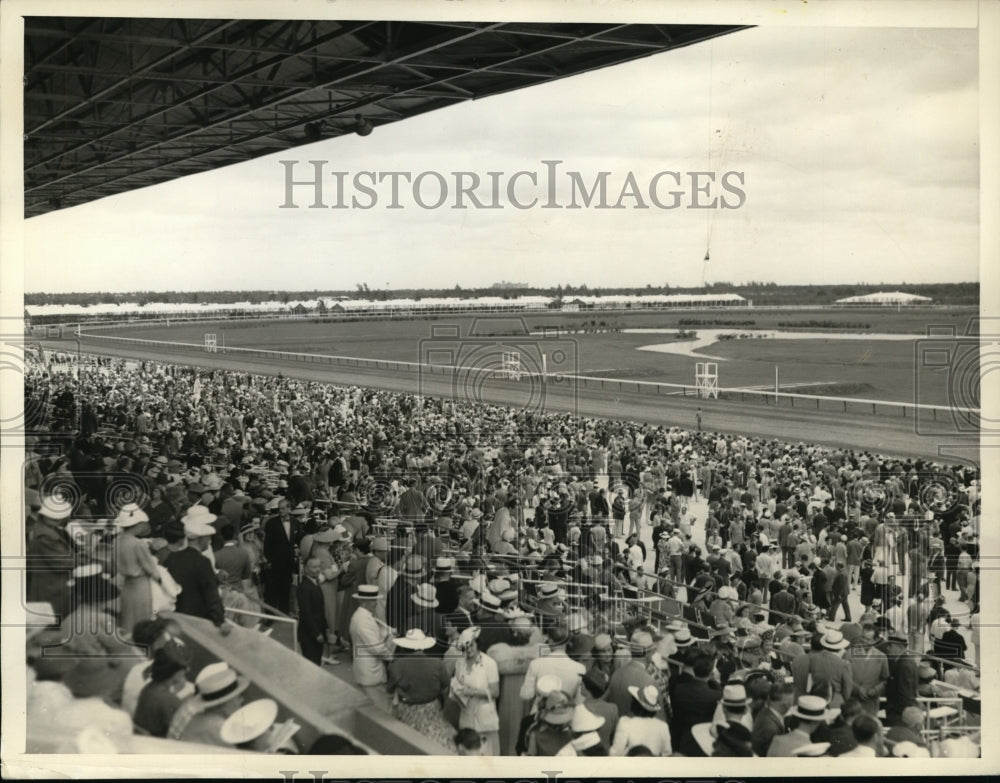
<point>858,149</point>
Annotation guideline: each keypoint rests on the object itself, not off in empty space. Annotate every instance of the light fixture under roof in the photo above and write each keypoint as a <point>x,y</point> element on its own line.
<point>361,126</point>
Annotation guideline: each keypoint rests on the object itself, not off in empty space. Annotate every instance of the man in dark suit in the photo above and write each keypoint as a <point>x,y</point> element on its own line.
<point>191,570</point>
<point>281,534</point>
<point>781,601</point>
<point>312,614</point>
<point>839,592</point>
<point>770,721</point>
<point>694,700</point>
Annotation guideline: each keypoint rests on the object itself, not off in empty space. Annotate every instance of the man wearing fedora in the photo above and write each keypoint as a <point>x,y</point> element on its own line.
<point>811,712</point>
<point>635,672</point>
<point>218,694</point>
<point>825,671</point>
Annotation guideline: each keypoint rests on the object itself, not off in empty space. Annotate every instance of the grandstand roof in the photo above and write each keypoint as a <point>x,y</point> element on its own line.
<point>115,104</point>
<point>885,297</point>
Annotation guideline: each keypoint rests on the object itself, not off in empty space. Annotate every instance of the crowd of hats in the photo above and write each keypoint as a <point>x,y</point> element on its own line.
<point>271,429</point>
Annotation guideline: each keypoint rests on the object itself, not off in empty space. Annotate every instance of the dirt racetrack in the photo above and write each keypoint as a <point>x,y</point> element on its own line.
<point>887,432</point>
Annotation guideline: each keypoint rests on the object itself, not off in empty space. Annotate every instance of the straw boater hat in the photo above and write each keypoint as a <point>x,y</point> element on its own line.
<point>129,515</point>
<point>735,696</point>
<point>727,593</point>
<point>425,595</point>
<point>641,641</point>
<point>249,722</point>
<point>809,707</point>
<point>546,684</point>
<point>414,566</point>
<point>548,590</point>
<point>380,544</point>
<point>683,637</point>
<point>834,640</point>
<point>415,639</point>
<point>648,697</point>
<point>366,593</point>
<point>55,507</point>
<point>198,513</point>
<point>218,683</point>
<point>490,602</point>
<point>584,720</point>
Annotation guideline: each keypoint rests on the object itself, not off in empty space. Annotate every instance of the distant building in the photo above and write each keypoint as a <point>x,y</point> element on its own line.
<point>890,298</point>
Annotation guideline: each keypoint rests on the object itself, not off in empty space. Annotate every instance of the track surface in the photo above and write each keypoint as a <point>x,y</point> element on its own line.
<point>886,433</point>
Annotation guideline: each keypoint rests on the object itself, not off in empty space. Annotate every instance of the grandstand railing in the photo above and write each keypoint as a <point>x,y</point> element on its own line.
<point>657,388</point>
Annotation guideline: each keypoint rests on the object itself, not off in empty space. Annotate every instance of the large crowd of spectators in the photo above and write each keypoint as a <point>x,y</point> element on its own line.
<point>504,581</point>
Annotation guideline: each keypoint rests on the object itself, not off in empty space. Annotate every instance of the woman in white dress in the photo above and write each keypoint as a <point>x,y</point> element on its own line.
<point>642,728</point>
<point>476,686</point>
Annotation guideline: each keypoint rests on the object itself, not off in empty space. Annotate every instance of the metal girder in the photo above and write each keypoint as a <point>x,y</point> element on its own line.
<point>114,104</point>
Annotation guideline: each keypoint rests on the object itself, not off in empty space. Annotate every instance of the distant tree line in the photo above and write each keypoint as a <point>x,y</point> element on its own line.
<point>762,293</point>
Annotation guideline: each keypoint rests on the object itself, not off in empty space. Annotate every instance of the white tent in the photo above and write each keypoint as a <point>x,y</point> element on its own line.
<point>886,298</point>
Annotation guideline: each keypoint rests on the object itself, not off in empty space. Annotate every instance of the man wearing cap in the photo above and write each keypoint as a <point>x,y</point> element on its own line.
<point>811,712</point>
<point>193,572</point>
<point>371,645</point>
<point>869,666</point>
<point>50,555</point>
<point>825,670</point>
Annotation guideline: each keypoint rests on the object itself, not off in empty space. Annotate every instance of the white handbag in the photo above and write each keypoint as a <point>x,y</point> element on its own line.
<point>165,592</point>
